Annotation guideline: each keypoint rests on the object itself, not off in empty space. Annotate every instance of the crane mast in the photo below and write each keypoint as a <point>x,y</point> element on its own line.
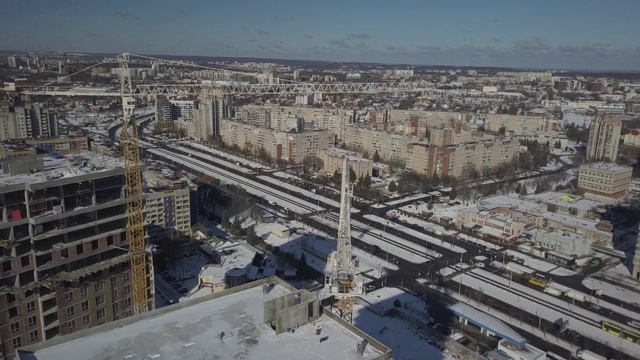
<point>133,182</point>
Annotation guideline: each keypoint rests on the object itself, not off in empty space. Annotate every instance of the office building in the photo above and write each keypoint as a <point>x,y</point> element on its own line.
<point>64,264</point>
<point>604,137</point>
<point>604,182</point>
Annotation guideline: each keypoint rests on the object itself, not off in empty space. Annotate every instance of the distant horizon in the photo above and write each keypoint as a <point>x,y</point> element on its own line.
<point>588,35</point>
<point>531,69</point>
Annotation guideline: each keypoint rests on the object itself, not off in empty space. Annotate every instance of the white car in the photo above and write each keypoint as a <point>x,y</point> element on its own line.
<point>479,264</point>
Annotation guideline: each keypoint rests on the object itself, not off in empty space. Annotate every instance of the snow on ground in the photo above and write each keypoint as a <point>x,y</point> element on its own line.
<point>396,334</point>
<point>618,292</point>
<point>560,271</point>
<point>599,302</point>
<point>227,177</point>
<point>531,262</point>
<point>552,166</point>
<point>285,175</point>
<point>294,189</point>
<point>227,155</point>
<point>415,254</point>
<point>415,233</point>
<point>576,119</point>
<point>211,158</point>
<point>418,210</point>
<point>408,198</point>
<point>588,330</point>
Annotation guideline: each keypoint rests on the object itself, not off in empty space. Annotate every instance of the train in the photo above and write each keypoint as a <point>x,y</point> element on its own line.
<point>616,330</point>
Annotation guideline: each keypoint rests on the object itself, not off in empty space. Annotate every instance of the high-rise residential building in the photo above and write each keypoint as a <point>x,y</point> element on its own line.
<point>11,61</point>
<point>604,137</point>
<point>518,124</point>
<point>632,138</point>
<point>604,182</point>
<point>333,160</point>
<point>390,147</point>
<point>64,264</point>
<point>209,114</point>
<point>28,121</point>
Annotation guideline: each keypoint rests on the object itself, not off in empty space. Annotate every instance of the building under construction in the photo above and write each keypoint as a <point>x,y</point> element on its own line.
<point>64,259</point>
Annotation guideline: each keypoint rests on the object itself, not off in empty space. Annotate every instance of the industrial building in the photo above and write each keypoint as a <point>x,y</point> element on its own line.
<point>262,319</point>
<point>63,249</point>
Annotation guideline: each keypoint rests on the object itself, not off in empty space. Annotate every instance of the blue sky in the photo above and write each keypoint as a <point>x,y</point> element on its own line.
<point>581,34</point>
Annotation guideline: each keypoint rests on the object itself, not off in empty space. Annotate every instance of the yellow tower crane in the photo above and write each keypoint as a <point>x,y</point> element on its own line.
<point>133,183</point>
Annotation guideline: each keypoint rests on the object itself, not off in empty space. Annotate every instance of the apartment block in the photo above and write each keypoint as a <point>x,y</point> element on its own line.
<point>604,182</point>
<point>449,136</point>
<point>64,266</point>
<point>176,110</point>
<point>390,147</point>
<point>60,145</point>
<point>27,121</point>
<point>280,145</point>
<point>604,137</point>
<point>208,117</point>
<point>167,212</point>
<point>332,161</point>
<point>518,124</point>
<point>632,138</point>
<point>452,160</point>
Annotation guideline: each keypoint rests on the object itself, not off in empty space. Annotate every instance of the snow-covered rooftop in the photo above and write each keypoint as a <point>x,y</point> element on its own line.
<point>192,330</point>
<point>564,200</point>
<point>488,322</point>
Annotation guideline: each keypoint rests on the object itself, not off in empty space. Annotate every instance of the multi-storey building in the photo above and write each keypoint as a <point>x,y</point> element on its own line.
<point>14,149</point>
<point>390,147</point>
<point>632,138</point>
<point>61,145</point>
<point>208,116</point>
<point>604,137</point>
<point>332,161</point>
<point>449,136</point>
<point>167,212</point>
<point>176,110</point>
<point>452,160</point>
<point>518,124</point>
<point>28,121</point>
<point>64,264</point>
<point>604,182</point>
<point>279,145</point>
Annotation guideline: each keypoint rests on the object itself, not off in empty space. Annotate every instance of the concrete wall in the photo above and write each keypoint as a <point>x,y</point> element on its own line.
<point>291,310</point>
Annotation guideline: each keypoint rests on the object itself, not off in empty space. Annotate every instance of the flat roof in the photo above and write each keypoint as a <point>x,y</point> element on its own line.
<point>606,166</point>
<point>191,330</point>
<point>488,322</point>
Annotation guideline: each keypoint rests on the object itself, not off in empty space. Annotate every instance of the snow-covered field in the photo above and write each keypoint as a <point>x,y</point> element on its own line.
<point>415,233</point>
<point>618,292</point>
<point>408,198</point>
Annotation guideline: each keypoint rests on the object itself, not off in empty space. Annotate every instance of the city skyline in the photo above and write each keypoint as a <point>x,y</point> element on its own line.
<point>496,33</point>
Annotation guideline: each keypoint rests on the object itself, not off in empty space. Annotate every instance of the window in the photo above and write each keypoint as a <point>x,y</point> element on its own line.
<point>127,302</point>
<point>79,249</point>
<point>113,281</point>
<point>25,260</point>
<point>84,305</point>
<point>99,286</point>
<point>83,291</point>
<point>114,294</point>
<point>101,313</point>
<point>72,325</point>
<point>13,312</point>
<point>94,245</point>
<point>100,299</point>
<point>126,276</point>
<point>85,319</point>
<point>31,305</point>
<point>64,253</point>
<point>33,335</point>
<point>15,327</point>
<point>110,240</point>
<point>17,342</point>
<point>115,308</point>
<point>32,320</point>
<point>127,289</point>
<point>6,266</point>
<point>71,310</point>
<point>69,296</point>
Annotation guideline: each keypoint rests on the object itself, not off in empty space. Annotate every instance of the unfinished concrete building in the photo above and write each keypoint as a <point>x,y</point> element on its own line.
<point>64,263</point>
